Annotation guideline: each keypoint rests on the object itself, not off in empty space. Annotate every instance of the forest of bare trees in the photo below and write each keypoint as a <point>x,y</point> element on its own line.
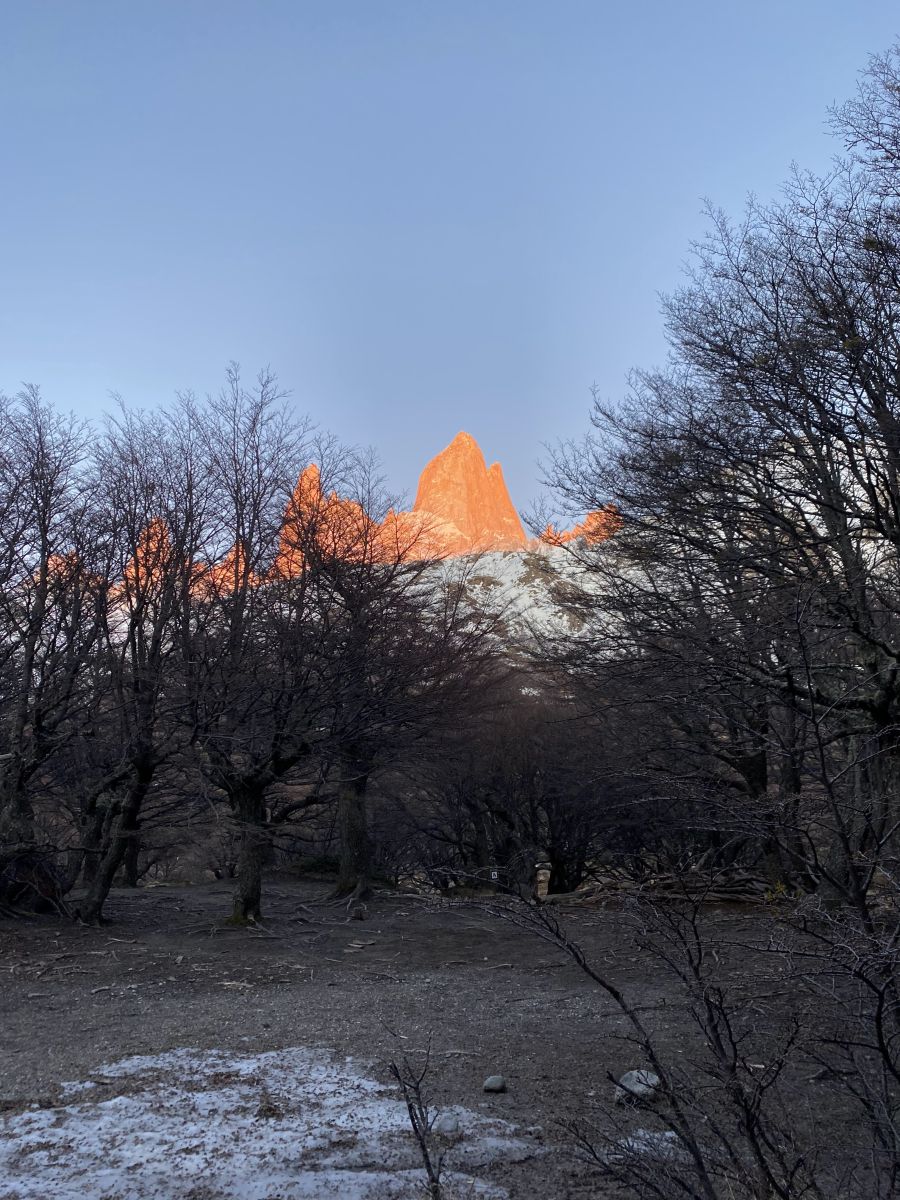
<point>189,640</point>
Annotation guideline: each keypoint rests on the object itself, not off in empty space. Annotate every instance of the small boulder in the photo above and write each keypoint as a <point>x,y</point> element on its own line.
<point>446,1124</point>
<point>495,1083</point>
<point>636,1087</point>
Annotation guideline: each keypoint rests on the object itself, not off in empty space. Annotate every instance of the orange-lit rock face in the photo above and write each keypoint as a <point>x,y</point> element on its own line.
<point>226,577</point>
<point>147,570</point>
<point>62,569</point>
<point>461,507</point>
<point>329,526</point>
<point>596,527</point>
<point>465,503</point>
<point>306,499</point>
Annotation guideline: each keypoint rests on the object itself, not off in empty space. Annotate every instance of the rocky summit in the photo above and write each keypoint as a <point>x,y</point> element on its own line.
<point>465,502</point>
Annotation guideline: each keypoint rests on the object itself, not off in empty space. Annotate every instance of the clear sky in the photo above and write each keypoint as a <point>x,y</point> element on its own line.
<point>425,216</point>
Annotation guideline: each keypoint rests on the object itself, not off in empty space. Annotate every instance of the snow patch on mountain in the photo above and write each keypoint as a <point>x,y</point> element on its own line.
<point>526,588</point>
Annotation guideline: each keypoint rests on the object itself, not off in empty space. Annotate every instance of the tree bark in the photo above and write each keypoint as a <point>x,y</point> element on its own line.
<point>250,809</point>
<point>17,823</point>
<point>97,830</point>
<point>356,845</point>
<point>130,865</point>
<point>126,827</point>
<point>16,814</point>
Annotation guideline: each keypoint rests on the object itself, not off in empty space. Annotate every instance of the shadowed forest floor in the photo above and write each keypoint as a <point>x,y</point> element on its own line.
<point>164,974</point>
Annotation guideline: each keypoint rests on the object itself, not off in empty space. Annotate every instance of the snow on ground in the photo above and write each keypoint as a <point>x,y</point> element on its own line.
<point>205,1125</point>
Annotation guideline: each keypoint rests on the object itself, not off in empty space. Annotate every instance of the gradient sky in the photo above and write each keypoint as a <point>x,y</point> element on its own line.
<point>425,216</point>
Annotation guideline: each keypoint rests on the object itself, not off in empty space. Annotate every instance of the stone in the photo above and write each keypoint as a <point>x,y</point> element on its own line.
<point>636,1087</point>
<point>446,1124</point>
<point>541,880</point>
<point>495,1083</point>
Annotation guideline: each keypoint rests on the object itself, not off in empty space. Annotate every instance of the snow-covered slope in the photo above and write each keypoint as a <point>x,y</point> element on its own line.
<point>527,588</point>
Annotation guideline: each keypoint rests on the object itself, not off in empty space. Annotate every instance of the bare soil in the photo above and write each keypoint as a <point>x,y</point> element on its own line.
<point>166,973</point>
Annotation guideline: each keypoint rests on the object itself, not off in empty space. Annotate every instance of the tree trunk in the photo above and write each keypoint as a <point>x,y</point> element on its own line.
<point>250,809</point>
<point>91,910</point>
<point>16,815</point>
<point>74,863</point>
<point>130,866</point>
<point>356,845</point>
<point>97,836</point>
<point>94,827</point>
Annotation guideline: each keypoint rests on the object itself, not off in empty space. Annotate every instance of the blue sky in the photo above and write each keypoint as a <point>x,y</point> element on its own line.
<point>424,216</point>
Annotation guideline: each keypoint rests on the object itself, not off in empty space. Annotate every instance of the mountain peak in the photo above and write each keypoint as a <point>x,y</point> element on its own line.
<point>466,503</point>
<point>464,439</point>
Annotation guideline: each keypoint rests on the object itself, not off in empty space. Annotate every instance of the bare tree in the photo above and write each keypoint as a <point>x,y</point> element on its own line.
<point>155,495</point>
<point>48,616</point>
<point>249,647</point>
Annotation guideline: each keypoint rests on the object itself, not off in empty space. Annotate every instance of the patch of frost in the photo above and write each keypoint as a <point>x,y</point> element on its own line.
<point>190,1123</point>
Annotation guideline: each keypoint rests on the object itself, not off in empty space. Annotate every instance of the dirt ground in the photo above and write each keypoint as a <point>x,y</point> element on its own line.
<point>165,973</point>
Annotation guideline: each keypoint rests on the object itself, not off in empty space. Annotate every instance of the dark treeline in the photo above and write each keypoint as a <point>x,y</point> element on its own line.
<point>748,611</point>
<point>207,666</point>
<point>183,630</point>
